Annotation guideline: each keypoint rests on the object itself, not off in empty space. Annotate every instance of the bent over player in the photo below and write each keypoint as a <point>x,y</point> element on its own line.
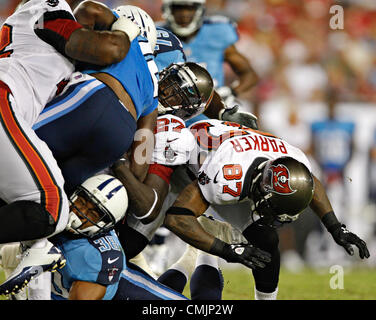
<point>237,166</point>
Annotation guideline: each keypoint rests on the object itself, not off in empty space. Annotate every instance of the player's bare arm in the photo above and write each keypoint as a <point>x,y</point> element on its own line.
<point>143,145</point>
<point>215,106</point>
<point>146,199</point>
<point>320,204</point>
<point>186,226</point>
<point>83,290</point>
<point>96,47</point>
<point>240,65</point>
<point>181,219</point>
<point>94,15</point>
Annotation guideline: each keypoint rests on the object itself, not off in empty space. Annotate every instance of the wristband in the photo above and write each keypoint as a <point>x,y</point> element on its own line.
<point>180,211</point>
<point>221,249</point>
<point>131,29</point>
<point>151,209</point>
<point>330,221</point>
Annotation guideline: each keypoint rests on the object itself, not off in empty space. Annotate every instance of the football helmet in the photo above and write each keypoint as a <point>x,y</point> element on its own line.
<point>185,90</point>
<point>194,25</point>
<point>143,19</point>
<point>281,189</point>
<point>110,199</point>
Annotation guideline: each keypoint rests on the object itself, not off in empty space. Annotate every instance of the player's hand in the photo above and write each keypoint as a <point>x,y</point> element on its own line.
<point>248,255</point>
<point>347,239</point>
<point>246,119</point>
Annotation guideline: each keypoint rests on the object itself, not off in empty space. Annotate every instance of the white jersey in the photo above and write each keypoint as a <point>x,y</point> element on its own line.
<point>173,141</point>
<point>230,150</point>
<point>30,67</point>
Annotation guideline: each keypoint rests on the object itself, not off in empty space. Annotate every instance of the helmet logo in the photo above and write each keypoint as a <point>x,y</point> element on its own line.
<point>280,180</point>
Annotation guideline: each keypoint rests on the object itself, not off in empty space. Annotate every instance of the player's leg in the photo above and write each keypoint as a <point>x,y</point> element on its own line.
<point>31,185</point>
<point>266,279</point>
<point>136,284</point>
<point>207,280</point>
<point>178,274</point>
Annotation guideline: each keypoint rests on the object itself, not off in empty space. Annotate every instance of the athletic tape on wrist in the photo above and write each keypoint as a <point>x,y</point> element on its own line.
<point>128,26</point>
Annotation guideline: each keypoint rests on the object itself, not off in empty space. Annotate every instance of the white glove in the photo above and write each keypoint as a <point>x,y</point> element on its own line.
<point>130,28</point>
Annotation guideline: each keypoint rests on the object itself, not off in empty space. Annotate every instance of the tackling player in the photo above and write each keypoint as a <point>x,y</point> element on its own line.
<point>38,44</point>
<point>237,166</point>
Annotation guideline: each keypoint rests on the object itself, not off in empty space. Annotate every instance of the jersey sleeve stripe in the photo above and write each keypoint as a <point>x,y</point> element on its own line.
<point>50,191</point>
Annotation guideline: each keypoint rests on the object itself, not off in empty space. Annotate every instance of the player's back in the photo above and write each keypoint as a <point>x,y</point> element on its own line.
<point>28,65</point>
<point>230,151</point>
<point>138,74</point>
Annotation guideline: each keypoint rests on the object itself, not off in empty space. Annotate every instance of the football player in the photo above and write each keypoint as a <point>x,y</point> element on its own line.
<point>209,41</point>
<point>39,41</point>
<point>236,166</point>
<point>116,101</point>
<point>96,268</point>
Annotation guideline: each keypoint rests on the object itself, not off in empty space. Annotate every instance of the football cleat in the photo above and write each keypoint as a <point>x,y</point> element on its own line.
<point>34,261</point>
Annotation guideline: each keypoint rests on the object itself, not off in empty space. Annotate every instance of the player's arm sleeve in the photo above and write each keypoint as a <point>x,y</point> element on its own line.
<point>55,28</point>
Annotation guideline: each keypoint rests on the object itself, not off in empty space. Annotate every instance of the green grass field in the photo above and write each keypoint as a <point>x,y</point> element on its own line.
<point>358,284</point>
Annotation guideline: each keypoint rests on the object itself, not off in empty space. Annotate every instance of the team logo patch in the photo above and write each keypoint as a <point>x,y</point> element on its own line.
<point>203,178</point>
<point>170,154</point>
<point>111,273</point>
<point>52,3</point>
<point>280,180</point>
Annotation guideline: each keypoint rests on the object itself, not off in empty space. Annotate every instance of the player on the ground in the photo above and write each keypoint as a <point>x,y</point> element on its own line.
<point>38,44</point>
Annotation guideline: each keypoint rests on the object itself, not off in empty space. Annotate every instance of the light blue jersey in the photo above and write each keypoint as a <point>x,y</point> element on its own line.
<point>207,47</point>
<point>168,50</point>
<point>333,141</point>
<point>138,74</point>
<point>98,260</point>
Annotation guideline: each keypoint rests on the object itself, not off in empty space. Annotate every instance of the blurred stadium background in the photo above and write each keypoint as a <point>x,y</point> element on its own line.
<point>309,72</point>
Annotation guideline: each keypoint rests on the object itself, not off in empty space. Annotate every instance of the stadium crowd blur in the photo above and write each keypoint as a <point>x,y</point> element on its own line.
<point>313,67</point>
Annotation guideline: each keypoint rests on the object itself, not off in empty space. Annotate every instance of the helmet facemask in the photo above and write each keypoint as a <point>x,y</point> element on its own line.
<point>98,223</point>
<point>195,23</point>
<point>178,95</point>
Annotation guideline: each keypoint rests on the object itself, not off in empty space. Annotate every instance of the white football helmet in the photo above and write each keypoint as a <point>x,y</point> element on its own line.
<point>110,198</point>
<point>145,22</point>
<point>196,21</point>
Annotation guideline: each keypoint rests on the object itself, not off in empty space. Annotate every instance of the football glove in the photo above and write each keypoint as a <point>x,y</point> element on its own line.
<point>247,255</point>
<point>346,239</point>
<point>246,119</point>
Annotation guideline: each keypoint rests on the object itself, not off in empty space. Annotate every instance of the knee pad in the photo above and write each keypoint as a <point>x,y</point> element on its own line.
<point>25,220</point>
